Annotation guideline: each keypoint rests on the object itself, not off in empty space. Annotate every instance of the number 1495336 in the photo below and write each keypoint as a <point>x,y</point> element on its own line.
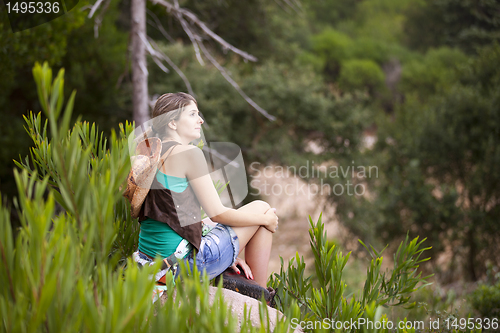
<point>472,323</point>
<point>32,7</point>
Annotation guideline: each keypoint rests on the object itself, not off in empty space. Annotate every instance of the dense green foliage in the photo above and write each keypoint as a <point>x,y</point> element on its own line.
<point>438,161</point>
<point>485,299</point>
<point>94,66</point>
<point>456,23</point>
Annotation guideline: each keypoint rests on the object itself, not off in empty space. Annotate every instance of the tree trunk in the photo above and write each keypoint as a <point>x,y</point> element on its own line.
<point>471,257</point>
<point>139,64</point>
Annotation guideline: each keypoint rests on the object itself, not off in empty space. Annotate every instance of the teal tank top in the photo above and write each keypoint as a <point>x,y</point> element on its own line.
<point>157,238</point>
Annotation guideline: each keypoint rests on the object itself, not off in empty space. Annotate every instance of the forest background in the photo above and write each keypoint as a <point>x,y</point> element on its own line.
<point>419,77</point>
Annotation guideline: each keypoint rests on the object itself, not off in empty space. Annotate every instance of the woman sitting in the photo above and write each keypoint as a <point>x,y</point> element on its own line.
<point>170,215</point>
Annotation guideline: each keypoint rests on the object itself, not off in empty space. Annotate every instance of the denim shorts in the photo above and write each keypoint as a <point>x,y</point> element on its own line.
<point>218,250</point>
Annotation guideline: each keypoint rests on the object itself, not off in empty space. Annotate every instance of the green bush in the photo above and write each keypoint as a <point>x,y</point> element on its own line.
<point>486,300</point>
<point>360,75</point>
<point>332,45</point>
<point>435,72</point>
<point>369,48</point>
<point>327,298</point>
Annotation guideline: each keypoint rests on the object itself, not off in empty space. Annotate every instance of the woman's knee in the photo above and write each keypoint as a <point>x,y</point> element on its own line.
<point>261,205</point>
<point>262,229</point>
<point>264,238</point>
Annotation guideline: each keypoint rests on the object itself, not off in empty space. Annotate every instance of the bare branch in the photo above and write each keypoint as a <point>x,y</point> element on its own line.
<point>165,4</point>
<point>144,68</point>
<point>192,37</point>
<point>152,101</point>
<point>158,55</point>
<point>293,6</point>
<point>176,69</point>
<point>224,73</point>
<point>296,6</point>
<point>94,8</point>
<point>197,42</point>
<point>147,44</point>
<point>85,8</point>
<point>297,2</point>
<point>194,19</point>
<point>159,26</point>
<point>97,23</point>
<point>160,64</point>
<point>278,2</point>
<point>216,37</point>
<point>98,20</point>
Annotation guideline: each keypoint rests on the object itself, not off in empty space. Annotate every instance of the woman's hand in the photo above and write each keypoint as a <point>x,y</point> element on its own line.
<point>246,269</point>
<point>272,220</point>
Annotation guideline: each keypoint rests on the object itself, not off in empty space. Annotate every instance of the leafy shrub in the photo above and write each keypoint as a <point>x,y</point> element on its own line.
<point>486,300</point>
<point>369,48</point>
<point>435,72</point>
<point>332,45</point>
<point>361,74</point>
<point>327,299</point>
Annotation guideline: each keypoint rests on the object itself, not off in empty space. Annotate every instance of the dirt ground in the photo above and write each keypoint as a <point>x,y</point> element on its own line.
<point>294,201</point>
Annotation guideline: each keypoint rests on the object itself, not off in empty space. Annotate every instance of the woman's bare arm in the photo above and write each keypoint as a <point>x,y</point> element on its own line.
<point>201,182</point>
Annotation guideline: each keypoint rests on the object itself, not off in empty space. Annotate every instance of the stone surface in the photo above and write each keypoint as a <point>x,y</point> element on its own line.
<point>237,303</point>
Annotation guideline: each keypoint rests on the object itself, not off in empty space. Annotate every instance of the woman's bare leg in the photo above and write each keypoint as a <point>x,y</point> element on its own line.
<point>257,254</point>
<point>257,241</point>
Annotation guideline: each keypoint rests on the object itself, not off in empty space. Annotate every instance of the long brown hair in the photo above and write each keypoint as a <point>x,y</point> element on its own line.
<point>169,107</point>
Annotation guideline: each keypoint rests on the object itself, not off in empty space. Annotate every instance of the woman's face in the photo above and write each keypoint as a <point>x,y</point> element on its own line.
<point>188,126</point>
